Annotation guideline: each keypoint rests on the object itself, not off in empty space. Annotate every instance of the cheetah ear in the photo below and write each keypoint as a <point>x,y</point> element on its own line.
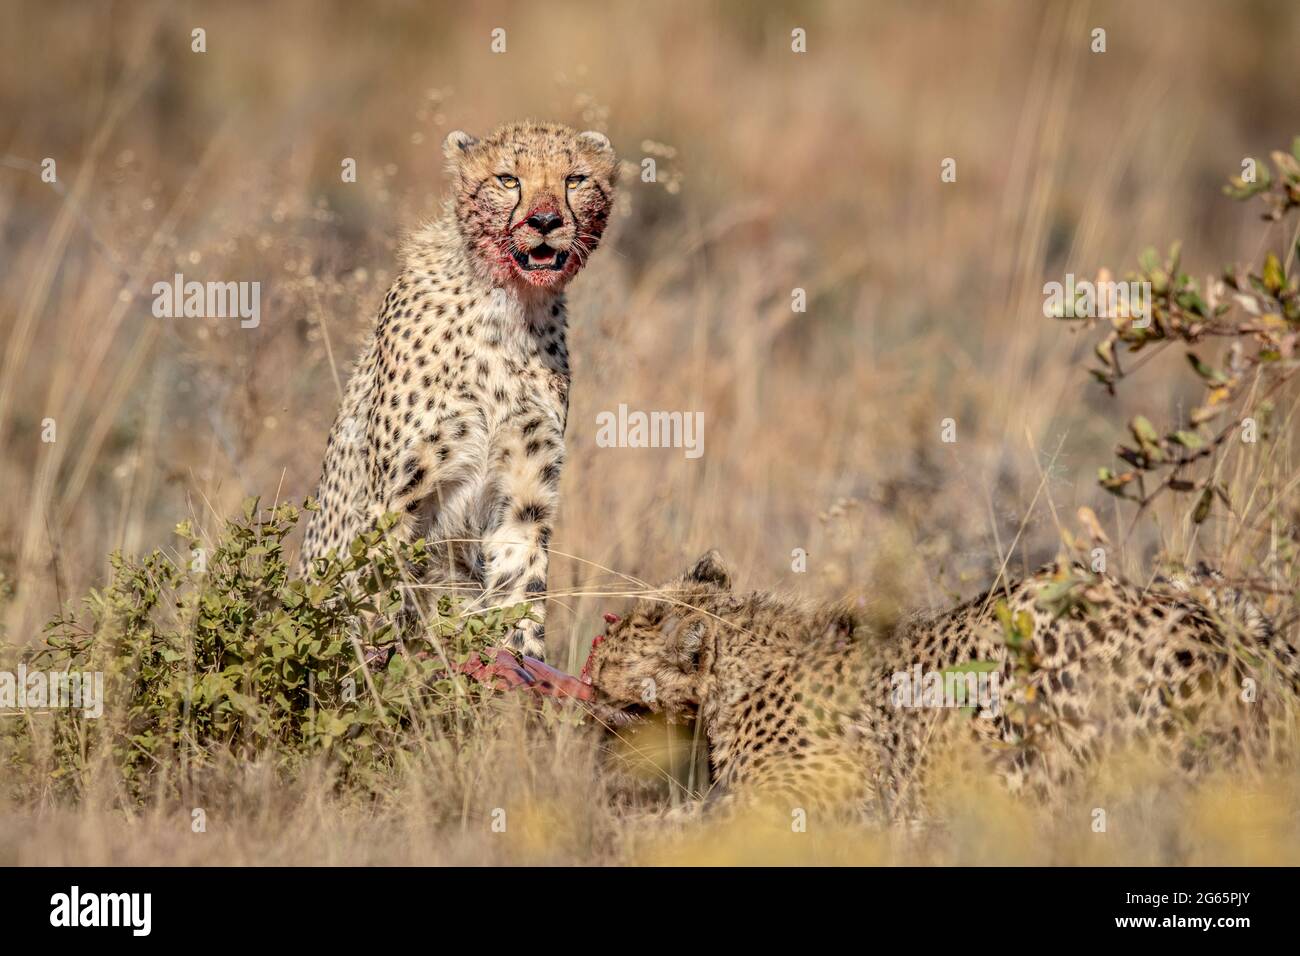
<point>710,569</point>
<point>597,141</point>
<point>457,144</point>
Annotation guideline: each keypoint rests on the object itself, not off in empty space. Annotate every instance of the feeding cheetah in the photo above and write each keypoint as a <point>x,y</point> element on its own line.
<point>813,706</point>
<point>454,416</point>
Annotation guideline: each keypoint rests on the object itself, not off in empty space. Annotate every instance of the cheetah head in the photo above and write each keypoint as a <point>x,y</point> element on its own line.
<point>658,657</point>
<point>532,200</point>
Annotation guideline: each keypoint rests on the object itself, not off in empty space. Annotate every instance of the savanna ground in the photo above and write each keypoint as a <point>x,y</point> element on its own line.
<point>775,171</point>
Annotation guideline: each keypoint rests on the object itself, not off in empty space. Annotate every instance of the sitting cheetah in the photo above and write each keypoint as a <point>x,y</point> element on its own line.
<point>814,707</point>
<point>454,416</point>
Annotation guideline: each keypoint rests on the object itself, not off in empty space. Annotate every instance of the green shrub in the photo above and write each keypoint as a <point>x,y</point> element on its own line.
<point>1256,311</point>
<point>228,655</point>
<point>1239,334</point>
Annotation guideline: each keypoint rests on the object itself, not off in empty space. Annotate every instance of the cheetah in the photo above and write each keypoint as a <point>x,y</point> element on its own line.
<point>454,416</point>
<point>819,707</point>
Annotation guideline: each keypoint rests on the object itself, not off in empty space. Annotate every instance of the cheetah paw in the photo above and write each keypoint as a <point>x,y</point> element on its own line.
<point>529,639</point>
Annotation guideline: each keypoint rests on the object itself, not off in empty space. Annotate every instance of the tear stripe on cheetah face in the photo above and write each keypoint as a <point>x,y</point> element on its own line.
<point>798,709</point>
<point>454,415</point>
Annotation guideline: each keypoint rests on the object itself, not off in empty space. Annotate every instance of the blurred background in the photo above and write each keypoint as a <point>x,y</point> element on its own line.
<point>775,170</point>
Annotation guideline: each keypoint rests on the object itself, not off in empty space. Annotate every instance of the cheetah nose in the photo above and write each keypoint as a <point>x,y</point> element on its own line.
<point>544,222</point>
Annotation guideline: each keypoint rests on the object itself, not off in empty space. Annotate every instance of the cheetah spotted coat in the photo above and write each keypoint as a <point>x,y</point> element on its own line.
<point>801,705</point>
<point>454,416</point>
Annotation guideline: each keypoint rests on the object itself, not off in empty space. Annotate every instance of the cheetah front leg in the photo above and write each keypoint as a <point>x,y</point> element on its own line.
<point>515,545</point>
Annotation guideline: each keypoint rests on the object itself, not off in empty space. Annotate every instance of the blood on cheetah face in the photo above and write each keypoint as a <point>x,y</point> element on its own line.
<point>532,200</point>
<point>657,657</point>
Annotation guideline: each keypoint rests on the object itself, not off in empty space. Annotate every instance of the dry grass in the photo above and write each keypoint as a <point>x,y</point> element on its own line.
<point>776,171</point>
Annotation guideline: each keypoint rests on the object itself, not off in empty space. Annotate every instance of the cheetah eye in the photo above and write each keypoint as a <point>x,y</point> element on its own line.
<point>510,182</point>
<point>573,182</point>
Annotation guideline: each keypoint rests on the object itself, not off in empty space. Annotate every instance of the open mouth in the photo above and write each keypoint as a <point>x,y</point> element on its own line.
<point>541,259</point>
<point>616,718</point>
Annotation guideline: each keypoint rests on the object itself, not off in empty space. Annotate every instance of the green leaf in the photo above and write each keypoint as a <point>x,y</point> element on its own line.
<point>1274,278</point>
<point>1203,506</point>
<point>1191,301</point>
<point>1144,431</point>
<point>1286,165</point>
<point>1112,482</point>
<point>1205,371</point>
